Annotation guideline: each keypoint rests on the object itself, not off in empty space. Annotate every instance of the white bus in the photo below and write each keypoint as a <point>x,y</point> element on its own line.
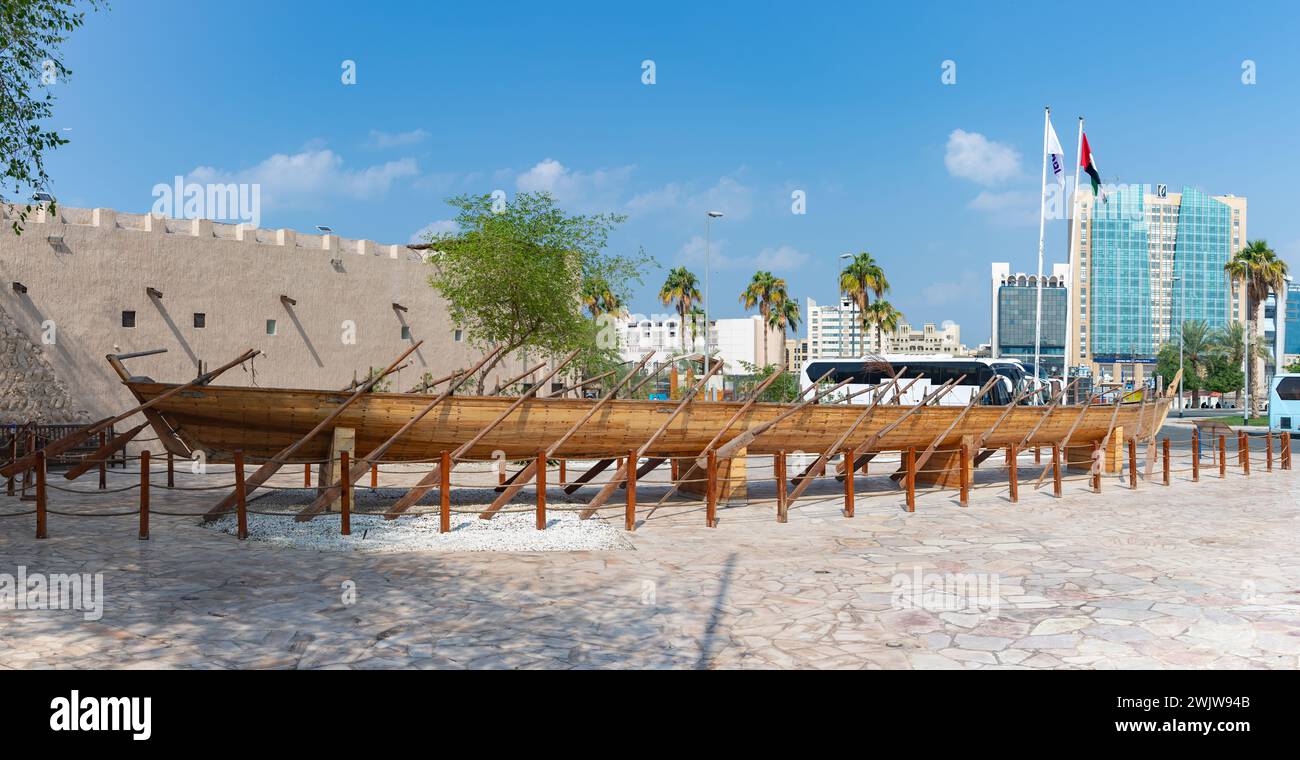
<point>1284,402</point>
<point>933,371</point>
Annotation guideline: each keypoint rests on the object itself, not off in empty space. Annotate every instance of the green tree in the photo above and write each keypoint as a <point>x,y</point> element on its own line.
<point>31,35</point>
<point>766,292</point>
<point>885,317</point>
<point>1257,268</point>
<point>513,276</point>
<point>782,390</point>
<point>859,280</point>
<point>784,317</point>
<point>680,290</point>
<point>599,298</point>
<point>1167,368</point>
<point>1229,342</point>
<point>1223,376</point>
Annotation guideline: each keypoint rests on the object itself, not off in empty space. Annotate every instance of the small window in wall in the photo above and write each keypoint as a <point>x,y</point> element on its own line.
<point>128,319</point>
<point>270,327</point>
<point>460,334</point>
<point>200,320</point>
<point>406,332</point>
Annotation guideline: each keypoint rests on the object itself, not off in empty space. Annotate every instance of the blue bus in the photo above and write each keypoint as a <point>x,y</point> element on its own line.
<point>1284,402</point>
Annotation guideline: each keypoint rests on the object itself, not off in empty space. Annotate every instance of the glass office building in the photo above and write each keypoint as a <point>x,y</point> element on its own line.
<point>1015,311</point>
<point>1147,260</point>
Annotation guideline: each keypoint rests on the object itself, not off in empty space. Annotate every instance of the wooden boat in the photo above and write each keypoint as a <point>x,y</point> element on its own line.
<point>263,422</point>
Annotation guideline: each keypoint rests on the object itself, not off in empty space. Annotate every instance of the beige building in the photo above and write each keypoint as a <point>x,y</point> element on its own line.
<point>1144,261</point>
<point>930,339</point>
<point>322,310</point>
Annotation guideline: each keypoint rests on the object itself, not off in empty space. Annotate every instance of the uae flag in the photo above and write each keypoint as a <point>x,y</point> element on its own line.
<point>1089,165</point>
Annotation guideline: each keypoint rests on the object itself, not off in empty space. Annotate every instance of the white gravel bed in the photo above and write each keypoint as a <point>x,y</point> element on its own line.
<point>516,532</point>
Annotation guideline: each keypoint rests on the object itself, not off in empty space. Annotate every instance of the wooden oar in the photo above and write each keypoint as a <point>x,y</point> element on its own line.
<point>76,437</point>
<point>330,493</point>
<point>422,387</point>
<point>934,444</point>
<point>101,453</point>
<point>526,475</point>
<point>608,489</point>
<point>273,465</point>
<point>432,478</point>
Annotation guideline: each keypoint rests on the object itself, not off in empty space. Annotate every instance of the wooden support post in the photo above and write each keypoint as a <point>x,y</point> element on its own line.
<point>40,494</point>
<point>541,490</point>
<point>849,476</point>
<point>374,475</point>
<point>964,464</point>
<point>171,470</point>
<point>1268,451</point>
<point>444,493</point>
<point>564,475</point>
<point>345,496</point>
<point>103,463</point>
<point>102,453</point>
<point>1038,455</point>
<point>909,478</point>
<point>501,472</point>
<point>782,505</point>
<point>241,497</point>
<point>1196,456</point>
<point>1132,464</point>
<point>306,475</point>
<point>1013,478</point>
<point>1096,466</point>
<point>1245,453</point>
<point>1056,470</point>
<point>711,492</point>
<point>1164,458</point>
<point>1223,457</point>
<point>144,495</point>
<point>629,515</point>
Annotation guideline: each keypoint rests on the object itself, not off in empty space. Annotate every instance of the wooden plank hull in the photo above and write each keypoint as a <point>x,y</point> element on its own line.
<point>262,422</point>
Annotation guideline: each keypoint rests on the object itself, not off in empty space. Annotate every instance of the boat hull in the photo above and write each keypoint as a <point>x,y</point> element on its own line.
<point>262,422</point>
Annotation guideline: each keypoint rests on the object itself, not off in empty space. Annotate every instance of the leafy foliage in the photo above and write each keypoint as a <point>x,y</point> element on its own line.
<point>784,389</point>
<point>31,33</point>
<point>513,275</point>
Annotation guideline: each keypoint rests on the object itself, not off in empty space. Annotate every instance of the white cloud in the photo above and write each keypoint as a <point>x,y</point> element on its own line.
<point>599,189</point>
<point>959,291</point>
<point>383,140</point>
<point>312,174</point>
<point>1011,208</point>
<point>440,227</point>
<point>972,156</point>
<point>729,195</point>
<point>779,260</point>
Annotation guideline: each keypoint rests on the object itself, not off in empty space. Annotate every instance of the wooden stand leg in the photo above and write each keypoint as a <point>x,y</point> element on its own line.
<point>144,494</point>
<point>909,462</point>
<point>782,490</point>
<point>849,477</point>
<point>1013,478</point>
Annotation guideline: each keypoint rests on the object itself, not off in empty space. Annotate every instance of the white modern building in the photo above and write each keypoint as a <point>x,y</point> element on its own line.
<point>835,330</point>
<point>736,341</point>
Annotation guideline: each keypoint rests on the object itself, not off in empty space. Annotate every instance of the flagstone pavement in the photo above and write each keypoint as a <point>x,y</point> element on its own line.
<point>1194,575</point>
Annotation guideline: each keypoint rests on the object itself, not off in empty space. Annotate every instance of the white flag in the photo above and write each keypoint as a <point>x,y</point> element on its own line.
<point>1055,156</point>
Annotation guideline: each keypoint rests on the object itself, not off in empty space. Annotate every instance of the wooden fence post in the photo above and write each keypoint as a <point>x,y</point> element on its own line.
<point>564,475</point>
<point>711,491</point>
<point>963,463</point>
<point>1013,478</point>
<point>1268,452</point>
<point>241,497</point>
<point>444,492</point>
<point>541,490</point>
<point>345,495</point>
<point>40,494</point>
<point>850,474</point>
<point>1196,456</point>
<point>1223,457</point>
<point>171,470</point>
<point>1095,469</point>
<point>103,462</point>
<point>629,516</point>
<point>1245,453</point>
<point>1164,458</point>
<point>1038,455</point>
<point>306,475</point>
<point>1056,470</point>
<point>910,477</point>
<point>1132,463</point>
<point>374,475</point>
<point>782,493</point>
<point>144,495</point>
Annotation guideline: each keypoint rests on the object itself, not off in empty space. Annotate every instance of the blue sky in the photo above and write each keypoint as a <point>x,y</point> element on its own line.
<point>751,102</point>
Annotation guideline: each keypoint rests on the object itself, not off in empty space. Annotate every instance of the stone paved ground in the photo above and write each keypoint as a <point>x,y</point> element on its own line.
<point>1191,576</point>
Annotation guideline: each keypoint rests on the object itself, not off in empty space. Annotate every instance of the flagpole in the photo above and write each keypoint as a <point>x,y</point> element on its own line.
<point>1042,227</point>
<point>1071,332</point>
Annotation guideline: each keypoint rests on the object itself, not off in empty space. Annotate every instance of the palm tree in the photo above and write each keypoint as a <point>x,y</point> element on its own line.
<point>598,298</point>
<point>696,317</point>
<point>766,292</point>
<point>860,279</point>
<point>784,317</point>
<point>885,317</point>
<point>1199,346</point>
<point>682,289</point>
<point>1258,268</point>
<point>1229,342</point>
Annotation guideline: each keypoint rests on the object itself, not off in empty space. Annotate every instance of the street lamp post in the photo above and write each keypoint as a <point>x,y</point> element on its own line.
<point>852,322</point>
<point>1182,306</point>
<point>709,217</point>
